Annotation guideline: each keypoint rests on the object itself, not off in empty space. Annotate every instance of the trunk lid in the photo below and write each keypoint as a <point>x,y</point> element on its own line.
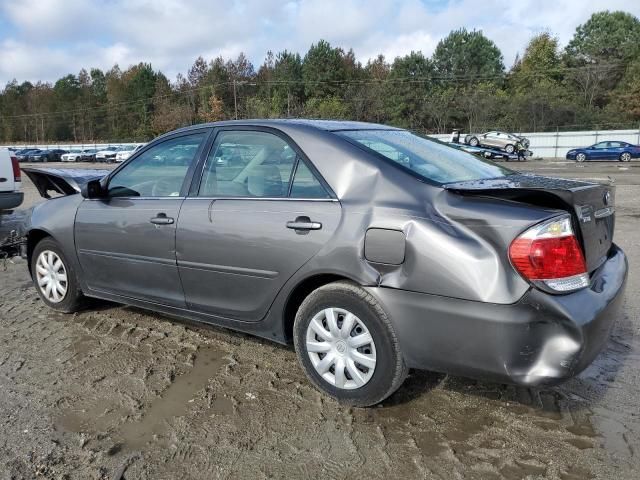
<point>63,181</point>
<point>592,205</point>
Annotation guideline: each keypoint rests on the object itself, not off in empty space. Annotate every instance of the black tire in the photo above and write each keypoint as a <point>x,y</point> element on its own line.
<point>473,141</point>
<point>73,300</point>
<point>509,148</point>
<point>390,369</point>
<point>581,157</point>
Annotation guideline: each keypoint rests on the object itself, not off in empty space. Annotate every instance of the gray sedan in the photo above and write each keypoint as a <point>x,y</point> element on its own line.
<point>371,249</point>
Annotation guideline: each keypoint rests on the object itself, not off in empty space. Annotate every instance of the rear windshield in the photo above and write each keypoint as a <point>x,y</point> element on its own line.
<point>426,158</point>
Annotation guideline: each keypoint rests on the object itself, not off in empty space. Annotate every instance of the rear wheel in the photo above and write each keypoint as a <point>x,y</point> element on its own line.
<point>54,277</point>
<point>509,148</point>
<point>347,346</point>
<point>473,141</point>
<point>625,157</point>
<point>581,157</point>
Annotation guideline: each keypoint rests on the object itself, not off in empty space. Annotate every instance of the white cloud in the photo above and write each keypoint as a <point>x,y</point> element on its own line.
<point>49,38</point>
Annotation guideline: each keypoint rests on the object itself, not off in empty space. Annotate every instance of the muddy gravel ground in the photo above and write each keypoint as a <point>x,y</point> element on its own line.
<point>116,392</point>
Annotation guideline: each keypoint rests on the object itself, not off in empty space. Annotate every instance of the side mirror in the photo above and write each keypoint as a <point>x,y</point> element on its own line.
<point>92,189</point>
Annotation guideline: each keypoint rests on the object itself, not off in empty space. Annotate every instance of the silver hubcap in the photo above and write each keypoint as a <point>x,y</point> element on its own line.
<point>51,276</point>
<point>580,157</point>
<point>626,157</point>
<point>341,348</point>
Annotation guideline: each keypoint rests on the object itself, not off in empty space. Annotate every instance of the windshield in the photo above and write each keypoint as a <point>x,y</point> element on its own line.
<point>426,158</point>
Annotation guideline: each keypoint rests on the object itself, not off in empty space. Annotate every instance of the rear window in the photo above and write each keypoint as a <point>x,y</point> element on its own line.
<point>426,158</point>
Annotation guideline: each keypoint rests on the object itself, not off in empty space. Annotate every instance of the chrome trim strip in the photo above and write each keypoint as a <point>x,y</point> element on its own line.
<point>287,199</point>
<point>249,272</point>
<point>129,257</point>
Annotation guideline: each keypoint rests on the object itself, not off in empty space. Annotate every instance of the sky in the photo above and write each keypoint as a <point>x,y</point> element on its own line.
<point>46,39</point>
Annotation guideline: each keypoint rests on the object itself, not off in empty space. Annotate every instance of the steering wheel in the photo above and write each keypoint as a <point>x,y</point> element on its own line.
<point>163,188</point>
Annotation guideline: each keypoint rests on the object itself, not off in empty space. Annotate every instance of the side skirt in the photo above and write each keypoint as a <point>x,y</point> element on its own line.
<point>269,327</point>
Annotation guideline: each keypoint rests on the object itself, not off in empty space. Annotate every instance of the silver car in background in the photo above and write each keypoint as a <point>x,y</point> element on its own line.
<point>508,142</point>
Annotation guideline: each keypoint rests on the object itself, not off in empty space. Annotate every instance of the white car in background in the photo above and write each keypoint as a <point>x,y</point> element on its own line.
<point>127,151</point>
<point>77,155</point>
<point>108,154</point>
<point>11,195</point>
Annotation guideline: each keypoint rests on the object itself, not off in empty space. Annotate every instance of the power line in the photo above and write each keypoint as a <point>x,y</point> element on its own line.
<point>446,78</point>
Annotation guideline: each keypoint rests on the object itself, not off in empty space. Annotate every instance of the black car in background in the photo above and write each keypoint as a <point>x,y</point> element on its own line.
<point>23,154</point>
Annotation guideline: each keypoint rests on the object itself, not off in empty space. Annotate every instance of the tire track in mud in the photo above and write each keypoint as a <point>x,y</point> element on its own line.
<point>203,403</point>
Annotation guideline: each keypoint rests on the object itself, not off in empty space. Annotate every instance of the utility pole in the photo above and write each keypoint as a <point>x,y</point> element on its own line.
<point>235,99</point>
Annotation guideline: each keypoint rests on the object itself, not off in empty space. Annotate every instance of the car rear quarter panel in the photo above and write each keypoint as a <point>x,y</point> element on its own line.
<point>455,246</point>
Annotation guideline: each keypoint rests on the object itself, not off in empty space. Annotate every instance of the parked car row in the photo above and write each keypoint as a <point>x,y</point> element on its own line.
<point>38,155</point>
<point>108,154</point>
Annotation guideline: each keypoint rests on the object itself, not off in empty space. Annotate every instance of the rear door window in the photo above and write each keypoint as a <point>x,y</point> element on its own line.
<point>306,184</point>
<point>248,164</point>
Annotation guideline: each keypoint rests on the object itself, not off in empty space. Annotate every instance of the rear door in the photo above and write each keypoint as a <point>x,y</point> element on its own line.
<point>616,149</point>
<point>126,241</point>
<point>491,139</point>
<point>259,212</point>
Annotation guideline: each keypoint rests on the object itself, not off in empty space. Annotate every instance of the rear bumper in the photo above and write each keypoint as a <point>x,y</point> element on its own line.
<point>10,200</point>
<point>541,339</point>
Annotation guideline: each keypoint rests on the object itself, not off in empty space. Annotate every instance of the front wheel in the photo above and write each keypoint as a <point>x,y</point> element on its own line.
<point>509,148</point>
<point>54,277</point>
<point>581,157</point>
<point>347,346</point>
<point>625,157</point>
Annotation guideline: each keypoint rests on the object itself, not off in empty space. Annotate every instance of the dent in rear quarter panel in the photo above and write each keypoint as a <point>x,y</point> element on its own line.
<point>455,245</point>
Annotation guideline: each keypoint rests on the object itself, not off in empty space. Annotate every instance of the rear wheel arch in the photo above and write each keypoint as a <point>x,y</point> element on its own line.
<point>302,291</point>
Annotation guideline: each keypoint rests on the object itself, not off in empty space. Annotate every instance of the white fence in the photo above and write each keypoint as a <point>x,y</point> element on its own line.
<point>543,144</point>
<point>557,144</point>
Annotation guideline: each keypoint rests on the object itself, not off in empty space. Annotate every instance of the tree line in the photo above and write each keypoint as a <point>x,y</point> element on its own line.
<point>594,82</point>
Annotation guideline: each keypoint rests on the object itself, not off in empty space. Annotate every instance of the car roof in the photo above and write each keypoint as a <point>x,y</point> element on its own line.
<point>325,125</point>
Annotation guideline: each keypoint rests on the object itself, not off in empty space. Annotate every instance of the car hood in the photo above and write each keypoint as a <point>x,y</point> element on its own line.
<point>64,181</point>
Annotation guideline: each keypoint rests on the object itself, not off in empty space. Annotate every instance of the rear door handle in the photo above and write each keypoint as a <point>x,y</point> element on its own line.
<point>304,223</point>
<point>162,219</point>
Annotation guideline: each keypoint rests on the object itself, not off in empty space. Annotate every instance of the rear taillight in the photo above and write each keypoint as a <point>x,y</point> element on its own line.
<point>549,254</point>
<point>16,170</point>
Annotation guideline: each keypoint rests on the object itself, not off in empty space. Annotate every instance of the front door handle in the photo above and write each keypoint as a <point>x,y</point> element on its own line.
<point>162,219</point>
<point>304,223</point>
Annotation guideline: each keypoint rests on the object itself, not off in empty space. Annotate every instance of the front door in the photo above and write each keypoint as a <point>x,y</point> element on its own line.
<point>126,241</point>
<point>260,213</point>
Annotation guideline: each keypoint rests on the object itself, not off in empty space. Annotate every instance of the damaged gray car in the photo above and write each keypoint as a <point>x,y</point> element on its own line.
<point>371,249</point>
